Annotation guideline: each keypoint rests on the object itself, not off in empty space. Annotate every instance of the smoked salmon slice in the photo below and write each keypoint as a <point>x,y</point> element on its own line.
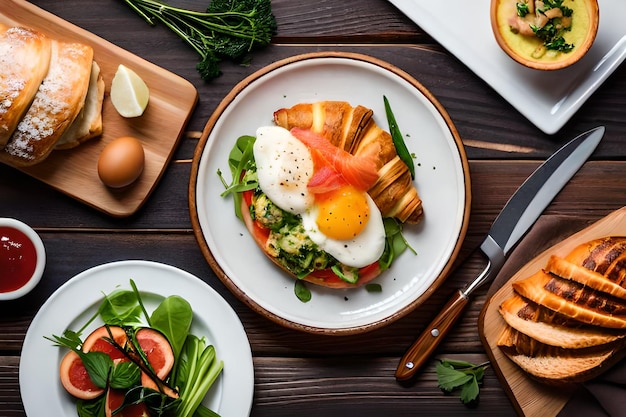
<point>334,166</point>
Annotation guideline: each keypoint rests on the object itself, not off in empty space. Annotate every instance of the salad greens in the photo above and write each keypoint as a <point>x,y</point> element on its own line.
<point>196,366</point>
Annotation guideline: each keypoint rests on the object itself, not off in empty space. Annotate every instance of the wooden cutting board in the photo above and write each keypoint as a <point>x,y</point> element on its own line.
<point>172,99</point>
<point>528,396</point>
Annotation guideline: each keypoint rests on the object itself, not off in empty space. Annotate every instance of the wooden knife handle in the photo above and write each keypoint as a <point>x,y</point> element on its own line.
<point>427,342</point>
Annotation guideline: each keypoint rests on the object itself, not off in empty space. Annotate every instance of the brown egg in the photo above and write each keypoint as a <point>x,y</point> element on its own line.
<point>121,162</point>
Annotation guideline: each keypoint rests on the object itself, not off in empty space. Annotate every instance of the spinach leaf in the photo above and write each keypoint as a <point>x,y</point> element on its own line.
<point>120,308</point>
<point>173,318</point>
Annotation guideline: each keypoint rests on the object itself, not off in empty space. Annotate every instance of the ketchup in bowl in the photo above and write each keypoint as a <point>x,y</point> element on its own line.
<point>22,259</point>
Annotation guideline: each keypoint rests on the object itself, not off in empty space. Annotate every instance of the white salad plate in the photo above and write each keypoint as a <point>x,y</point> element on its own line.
<point>442,179</point>
<point>78,299</point>
<point>547,98</point>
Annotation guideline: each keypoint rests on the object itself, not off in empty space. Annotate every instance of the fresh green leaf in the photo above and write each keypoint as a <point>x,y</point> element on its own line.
<point>466,376</point>
<point>120,308</point>
<point>98,365</point>
<point>373,287</point>
<point>91,408</point>
<point>449,378</point>
<point>124,375</point>
<point>173,317</point>
<point>469,391</point>
<point>302,291</point>
<point>398,140</point>
<point>240,161</point>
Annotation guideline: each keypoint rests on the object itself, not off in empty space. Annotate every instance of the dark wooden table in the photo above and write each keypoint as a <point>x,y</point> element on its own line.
<point>298,373</point>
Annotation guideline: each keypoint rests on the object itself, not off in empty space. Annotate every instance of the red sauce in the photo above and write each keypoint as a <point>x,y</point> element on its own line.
<point>18,259</point>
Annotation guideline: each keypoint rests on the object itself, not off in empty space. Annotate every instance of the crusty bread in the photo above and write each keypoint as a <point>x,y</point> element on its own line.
<point>88,123</point>
<point>550,328</point>
<point>573,300</point>
<point>354,130</point>
<point>567,323</point>
<point>24,61</point>
<point>58,101</point>
<point>565,269</point>
<point>556,366</point>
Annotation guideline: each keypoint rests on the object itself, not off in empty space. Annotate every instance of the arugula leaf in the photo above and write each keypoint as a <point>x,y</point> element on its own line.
<point>240,159</point>
<point>466,376</point>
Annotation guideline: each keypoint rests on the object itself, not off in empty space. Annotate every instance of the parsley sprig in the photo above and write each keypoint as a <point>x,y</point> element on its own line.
<point>454,375</point>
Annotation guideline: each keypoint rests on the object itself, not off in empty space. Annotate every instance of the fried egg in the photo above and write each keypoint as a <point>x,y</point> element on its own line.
<point>284,168</point>
<point>344,222</point>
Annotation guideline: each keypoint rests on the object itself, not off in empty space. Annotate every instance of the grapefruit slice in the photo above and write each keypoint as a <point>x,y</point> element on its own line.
<point>75,379</point>
<point>160,356</point>
<point>115,398</point>
<point>74,376</point>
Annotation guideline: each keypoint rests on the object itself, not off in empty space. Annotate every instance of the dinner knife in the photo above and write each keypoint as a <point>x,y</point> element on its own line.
<point>517,216</point>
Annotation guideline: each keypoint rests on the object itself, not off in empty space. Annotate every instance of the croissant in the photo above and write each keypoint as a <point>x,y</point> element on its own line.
<point>567,322</point>
<point>354,130</point>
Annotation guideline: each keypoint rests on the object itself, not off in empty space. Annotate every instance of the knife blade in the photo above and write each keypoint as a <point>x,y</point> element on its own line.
<point>517,216</point>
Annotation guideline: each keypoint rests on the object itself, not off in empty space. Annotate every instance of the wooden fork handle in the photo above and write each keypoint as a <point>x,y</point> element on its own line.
<point>427,342</point>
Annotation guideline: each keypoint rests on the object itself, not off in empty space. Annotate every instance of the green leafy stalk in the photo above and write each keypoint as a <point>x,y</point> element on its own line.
<point>398,140</point>
<point>240,160</point>
<point>201,369</point>
<point>227,29</point>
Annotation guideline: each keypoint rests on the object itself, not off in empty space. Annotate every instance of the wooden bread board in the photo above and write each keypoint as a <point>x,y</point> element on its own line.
<point>160,128</point>
<point>530,397</point>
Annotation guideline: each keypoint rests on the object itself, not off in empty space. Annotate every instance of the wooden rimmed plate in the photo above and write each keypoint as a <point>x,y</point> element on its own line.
<point>442,179</point>
<point>74,171</point>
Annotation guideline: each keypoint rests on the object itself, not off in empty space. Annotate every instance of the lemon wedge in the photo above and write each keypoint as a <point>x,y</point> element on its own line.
<point>129,93</point>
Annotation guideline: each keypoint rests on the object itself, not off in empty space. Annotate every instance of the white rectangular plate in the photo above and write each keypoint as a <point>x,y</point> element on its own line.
<point>547,98</point>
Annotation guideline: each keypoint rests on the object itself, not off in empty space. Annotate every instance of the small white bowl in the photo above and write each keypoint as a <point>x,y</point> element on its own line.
<point>40,262</point>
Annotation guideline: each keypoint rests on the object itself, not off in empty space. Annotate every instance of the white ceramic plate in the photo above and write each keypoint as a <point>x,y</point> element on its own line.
<point>547,98</point>
<point>442,179</point>
<point>77,300</point>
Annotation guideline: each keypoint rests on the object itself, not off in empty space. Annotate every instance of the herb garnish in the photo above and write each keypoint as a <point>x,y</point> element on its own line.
<point>398,140</point>
<point>551,33</point>
<point>466,376</point>
<point>228,28</point>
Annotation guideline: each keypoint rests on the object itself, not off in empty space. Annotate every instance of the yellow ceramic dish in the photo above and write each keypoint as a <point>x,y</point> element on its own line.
<point>528,49</point>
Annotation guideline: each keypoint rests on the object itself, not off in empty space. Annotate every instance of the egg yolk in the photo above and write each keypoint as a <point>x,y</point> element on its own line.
<point>343,213</point>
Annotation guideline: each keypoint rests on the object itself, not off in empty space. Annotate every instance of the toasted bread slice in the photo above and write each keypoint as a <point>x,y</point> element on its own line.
<point>57,102</point>
<point>354,130</point>
<point>549,328</point>
<point>566,269</point>
<point>557,366</point>
<point>598,255</point>
<point>88,123</point>
<point>24,62</point>
<point>573,300</point>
